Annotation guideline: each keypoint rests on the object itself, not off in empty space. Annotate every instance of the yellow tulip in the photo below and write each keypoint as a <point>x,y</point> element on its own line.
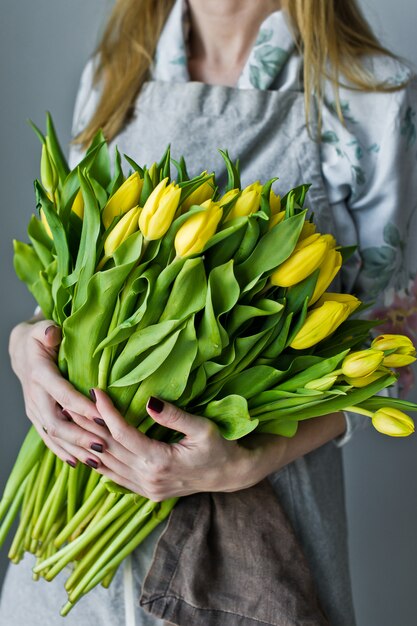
<point>400,343</point>
<point>322,384</point>
<point>49,175</point>
<point>320,323</point>
<point>352,302</point>
<point>228,197</point>
<point>124,199</point>
<point>276,219</point>
<point>78,205</point>
<point>127,225</point>
<point>398,360</point>
<point>159,210</point>
<point>405,352</point>
<point>307,230</point>
<point>193,235</point>
<point>247,203</point>
<point>361,363</point>
<point>198,196</point>
<point>393,422</point>
<point>330,266</point>
<point>306,257</point>
<point>363,381</point>
<point>274,203</point>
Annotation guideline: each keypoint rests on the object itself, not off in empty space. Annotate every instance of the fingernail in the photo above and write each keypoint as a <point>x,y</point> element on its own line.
<point>155,404</point>
<point>49,328</point>
<point>99,421</point>
<point>93,395</point>
<point>72,463</point>
<point>92,463</point>
<point>67,415</point>
<point>97,447</point>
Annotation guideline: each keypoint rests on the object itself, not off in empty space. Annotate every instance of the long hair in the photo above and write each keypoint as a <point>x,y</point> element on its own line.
<point>333,36</point>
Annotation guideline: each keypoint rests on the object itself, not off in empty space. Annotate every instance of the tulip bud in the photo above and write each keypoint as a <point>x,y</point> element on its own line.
<point>78,205</point>
<point>159,210</point>
<point>228,197</point>
<point>274,203</point>
<point>352,302</point>
<point>330,266</point>
<point>392,422</point>
<point>247,203</point>
<point>276,219</point>
<point>400,343</point>
<point>306,257</point>
<point>193,235</point>
<point>307,230</point>
<point>405,352</point>
<point>320,323</point>
<point>361,363</point>
<point>322,384</point>
<point>49,175</point>
<point>363,381</point>
<point>198,196</point>
<point>124,199</point>
<point>127,225</point>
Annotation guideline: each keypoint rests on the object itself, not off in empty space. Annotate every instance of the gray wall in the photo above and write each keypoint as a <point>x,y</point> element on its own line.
<point>43,47</point>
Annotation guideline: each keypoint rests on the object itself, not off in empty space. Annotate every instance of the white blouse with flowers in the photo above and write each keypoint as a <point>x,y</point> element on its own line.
<point>369,165</point>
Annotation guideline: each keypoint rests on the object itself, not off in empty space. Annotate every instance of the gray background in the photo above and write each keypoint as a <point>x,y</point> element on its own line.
<point>43,47</point>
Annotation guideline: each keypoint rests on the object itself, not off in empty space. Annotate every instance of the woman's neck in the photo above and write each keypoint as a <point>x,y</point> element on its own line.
<point>222,35</point>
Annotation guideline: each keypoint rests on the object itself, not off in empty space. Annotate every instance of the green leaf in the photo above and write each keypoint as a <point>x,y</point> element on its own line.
<point>252,381</point>
<point>86,258</point>
<point>100,169</point>
<point>233,174</point>
<point>72,182</point>
<point>139,343</point>
<point>118,176</point>
<point>232,417</point>
<point>222,294</point>
<point>134,165</point>
<point>89,325</point>
<point>55,149</point>
<point>150,362</point>
<point>249,241</point>
<point>272,249</point>
<point>170,379</point>
<point>42,244</point>
<point>188,292</point>
<point>324,367</point>
<point>282,427</point>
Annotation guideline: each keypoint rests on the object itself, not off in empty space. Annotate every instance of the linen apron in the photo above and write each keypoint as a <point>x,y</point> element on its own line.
<point>266,130</point>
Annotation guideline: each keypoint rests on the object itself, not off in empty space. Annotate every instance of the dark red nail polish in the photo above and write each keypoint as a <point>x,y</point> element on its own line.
<point>49,328</point>
<point>97,447</point>
<point>92,463</point>
<point>93,395</point>
<point>72,463</point>
<point>66,414</point>
<point>99,421</point>
<point>155,404</point>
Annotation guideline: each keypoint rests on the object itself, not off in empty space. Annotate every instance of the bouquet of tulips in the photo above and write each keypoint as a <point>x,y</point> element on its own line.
<point>215,300</point>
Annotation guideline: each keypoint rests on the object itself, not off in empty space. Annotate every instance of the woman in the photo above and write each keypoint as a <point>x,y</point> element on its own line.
<point>246,88</point>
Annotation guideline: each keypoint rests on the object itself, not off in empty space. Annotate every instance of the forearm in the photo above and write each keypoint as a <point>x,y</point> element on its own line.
<point>277,451</point>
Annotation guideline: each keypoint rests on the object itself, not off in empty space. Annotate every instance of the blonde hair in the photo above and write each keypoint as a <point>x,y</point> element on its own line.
<point>332,36</point>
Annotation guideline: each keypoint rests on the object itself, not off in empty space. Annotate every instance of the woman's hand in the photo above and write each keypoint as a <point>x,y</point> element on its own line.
<point>49,398</point>
<point>202,461</point>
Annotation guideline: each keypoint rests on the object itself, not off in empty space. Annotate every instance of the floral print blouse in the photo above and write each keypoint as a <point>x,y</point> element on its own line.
<point>368,165</point>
